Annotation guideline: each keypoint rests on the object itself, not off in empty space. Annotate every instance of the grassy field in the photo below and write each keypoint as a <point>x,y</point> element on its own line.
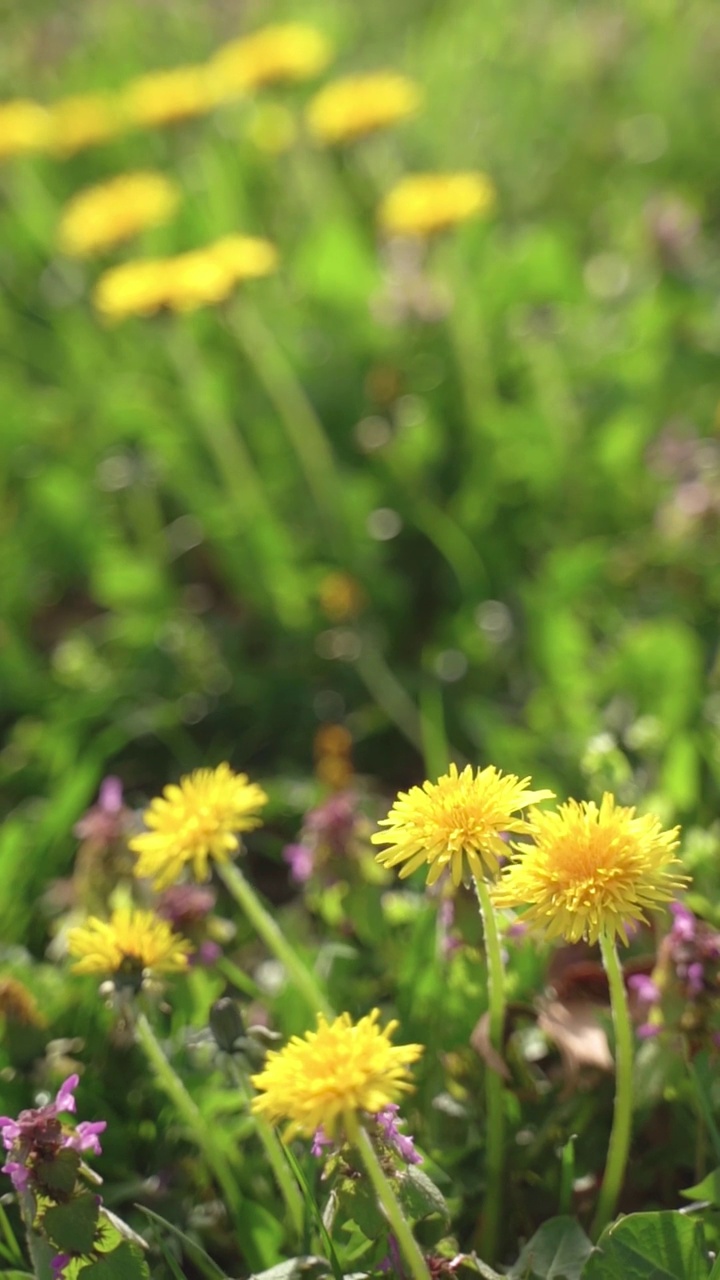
<point>400,501</point>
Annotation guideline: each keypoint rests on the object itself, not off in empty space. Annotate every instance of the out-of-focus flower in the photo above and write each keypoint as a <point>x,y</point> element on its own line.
<point>37,1136</point>
<point>332,749</point>
<point>422,204</point>
<point>202,277</point>
<point>167,97</point>
<point>340,596</point>
<point>281,53</point>
<point>341,1068</point>
<point>592,871</point>
<point>354,106</point>
<point>106,215</point>
<point>82,121</point>
<point>129,946</point>
<point>320,1142</point>
<point>328,833</point>
<point>387,1122</point>
<point>107,819</point>
<point>456,823</point>
<point>197,822</point>
<point>18,1005</point>
<point>301,860</point>
<point>24,127</point>
<point>187,908</point>
<point>271,128</point>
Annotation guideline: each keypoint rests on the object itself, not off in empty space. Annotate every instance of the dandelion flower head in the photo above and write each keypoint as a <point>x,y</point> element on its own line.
<point>339,1068</point>
<point>24,127</point>
<point>137,288</point>
<point>167,97</point>
<point>196,822</point>
<point>354,106</point>
<point>592,870</point>
<point>106,215</point>
<point>283,53</point>
<point>422,204</point>
<point>82,121</point>
<point>128,945</point>
<point>245,257</point>
<point>455,823</point>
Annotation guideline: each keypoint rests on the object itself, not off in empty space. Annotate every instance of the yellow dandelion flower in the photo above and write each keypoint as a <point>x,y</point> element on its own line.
<point>24,127</point>
<point>195,822</point>
<point>83,121</point>
<point>424,203</point>
<point>106,215</point>
<point>591,871</point>
<point>137,288</point>
<point>279,54</point>
<point>460,817</point>
<point>245,257</point>
<point>131,943</point>
<point>341,1068</point>
<point>196,279</point>
<point>167,97</point>
<point>350,108</point>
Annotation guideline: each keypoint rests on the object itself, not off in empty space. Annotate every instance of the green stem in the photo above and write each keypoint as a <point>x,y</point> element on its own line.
<point>622,1118</point>
<point>274,938</point>
<point>303,427</point>
<point>276,1158</point>
<point>187,1109</point>
<point>387,1198</point>
<point>40,1251</point>
<point>494,1086</point>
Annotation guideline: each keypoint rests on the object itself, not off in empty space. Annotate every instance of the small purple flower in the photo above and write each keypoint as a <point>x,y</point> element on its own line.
<point>301,860</point>
<point>85,1137</point>
<point>107,819</point>
<point>404,1145</point>
<point>207,954</point>
<point>684,923</point>
<point>184,905</point>
<point>58,1265</point>
<point>320,1140</point>
<point>392,1261</point>
<point>40,1132</point>
<point>695,978</point>
<point>647,992</point>
<point>647,1030</point>
<point>333,823</point>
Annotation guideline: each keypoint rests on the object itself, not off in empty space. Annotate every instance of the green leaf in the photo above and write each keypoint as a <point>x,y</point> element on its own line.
<point>124,1263</point>
<point>419,1196</point>
<point>708,1189</point>
<point>58,1176</point>
<point>358,1201</point>
<point>558,1251</point>
<point>71,1227</point>
<point>650,1246</point>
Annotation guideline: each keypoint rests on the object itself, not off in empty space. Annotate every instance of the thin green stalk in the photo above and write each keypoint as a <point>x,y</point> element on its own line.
<point>189,1113</point>
<point>272,935</point>
<point>388,1200</point>
<point>494,1085</point>
<point>302,425</point>
<point>41,1253</point>
<point>622,1118</point>
<point>275,1153</point>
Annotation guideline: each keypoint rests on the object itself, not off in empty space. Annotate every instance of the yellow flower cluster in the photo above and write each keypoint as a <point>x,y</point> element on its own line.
<point>130,944</point>
<point>83,120</point>
<point>278,54</point>
<point>341,1068</point>
<point>355,106</point>
<point>166,97</point>
<point>196,822</point>
<point>581,871</point>
<point>425,203</point>
<point>110,213</point>
<point>202,277</point>
<point>24,127</point>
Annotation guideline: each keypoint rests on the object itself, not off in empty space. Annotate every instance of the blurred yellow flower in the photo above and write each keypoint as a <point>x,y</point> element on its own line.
<point>24,127</point>
<point>138,288</point>
<point>340,596</point>
<point>83,121</point>
<point>354,106</point>
<point>200,278</point>
<point>424,203</point>
<point>284,52</point>
<point>322,1076</point>
<point>129,944</point>
<point>459,818</point>
<point>103,216</point>
<point>195,822</point>
<point>591,871</point>
<point>167,97</point>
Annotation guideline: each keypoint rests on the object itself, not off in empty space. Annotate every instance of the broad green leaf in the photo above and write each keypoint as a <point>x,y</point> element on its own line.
<point>124,1263</point>
<point>71,1227</point>
<point>558,1251</point>
<point>419,1196</point>
<point>650,1246</point>
<point>708,1189</point>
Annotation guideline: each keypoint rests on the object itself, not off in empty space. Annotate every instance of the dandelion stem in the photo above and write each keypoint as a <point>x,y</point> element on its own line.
<point>276,1158</point>
<point>622,1117</point>
<point>494,1087</point>
<point>274,938</point>
<point>401,1230</point>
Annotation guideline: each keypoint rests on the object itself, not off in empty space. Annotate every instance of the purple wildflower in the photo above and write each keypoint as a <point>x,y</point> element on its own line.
<point>320,1140</point>
<point>107,819</point>
<point>332,823</point>
<point>301,861</point>
<point>58,1265</point>
<point>647,991</point>
<point>184,905</point>
<point>404,1145</point>
<point>40,1132</point>
<point>684,923</point>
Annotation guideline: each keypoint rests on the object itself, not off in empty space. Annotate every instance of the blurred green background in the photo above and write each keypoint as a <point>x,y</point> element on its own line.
<point>463,503</point>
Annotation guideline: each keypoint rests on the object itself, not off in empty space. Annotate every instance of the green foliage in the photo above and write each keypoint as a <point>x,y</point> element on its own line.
<point>558,1251</point>
<point>650,1246</point>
